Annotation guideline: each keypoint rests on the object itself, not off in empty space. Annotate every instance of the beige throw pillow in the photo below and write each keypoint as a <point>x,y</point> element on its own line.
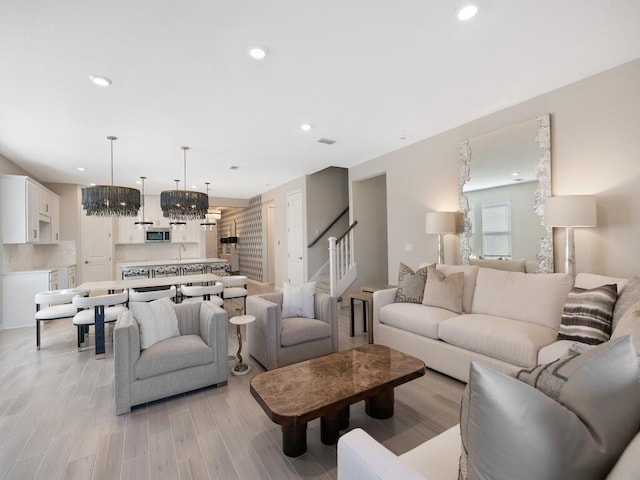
<point>411,284</point>
<point>444,291</point>
<point>157,321</point>
<point>573,423</point>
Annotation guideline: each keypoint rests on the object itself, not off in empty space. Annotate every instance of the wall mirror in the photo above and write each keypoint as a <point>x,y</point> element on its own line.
<point>504,180</point>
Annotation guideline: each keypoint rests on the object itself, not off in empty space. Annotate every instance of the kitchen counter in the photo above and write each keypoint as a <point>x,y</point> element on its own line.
<point>152,268</point>
<point>184,261</point>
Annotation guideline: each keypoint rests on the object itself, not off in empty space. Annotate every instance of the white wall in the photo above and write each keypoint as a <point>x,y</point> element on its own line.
<point>595,128</point>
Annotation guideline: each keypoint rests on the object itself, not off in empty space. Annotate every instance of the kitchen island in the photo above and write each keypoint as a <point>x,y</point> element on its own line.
<point>186,266</point>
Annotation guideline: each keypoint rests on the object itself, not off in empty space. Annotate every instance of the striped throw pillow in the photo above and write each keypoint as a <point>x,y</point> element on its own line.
<point>587,314</point>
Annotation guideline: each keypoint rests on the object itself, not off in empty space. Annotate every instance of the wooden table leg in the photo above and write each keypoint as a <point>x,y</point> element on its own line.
<point>294,440</point>
<point>331,424</point>
<point>381,405</point>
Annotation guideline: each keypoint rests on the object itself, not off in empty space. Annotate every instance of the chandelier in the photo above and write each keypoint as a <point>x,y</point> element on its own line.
<point>143,222</point>
<point>184,204</point>
<point>209,223</point>
<point>111,200</point>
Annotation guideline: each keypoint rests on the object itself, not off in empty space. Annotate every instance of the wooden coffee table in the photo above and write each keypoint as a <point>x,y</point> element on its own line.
<point>325,387</point>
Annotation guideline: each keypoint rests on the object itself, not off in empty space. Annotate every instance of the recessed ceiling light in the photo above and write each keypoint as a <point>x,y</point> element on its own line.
<point>257,53</point>
<point>81,169</point>
<point>138,182</point>
<point>100,81</point>
<point>467,12</point>
<point>515,174</point>
<point>194,186</point>
<point>306,127</point>
<point>92,184</point>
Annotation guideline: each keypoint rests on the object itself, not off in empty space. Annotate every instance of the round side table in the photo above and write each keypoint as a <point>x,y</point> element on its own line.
<point>241,368</point>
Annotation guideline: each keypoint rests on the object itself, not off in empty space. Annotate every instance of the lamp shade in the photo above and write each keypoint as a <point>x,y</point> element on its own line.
<point>570,211</point>
<point>441,222</point>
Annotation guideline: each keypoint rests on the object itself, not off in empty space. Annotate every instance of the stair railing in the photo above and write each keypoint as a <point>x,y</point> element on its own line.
<point>317,239</point>
<point>340,258</point>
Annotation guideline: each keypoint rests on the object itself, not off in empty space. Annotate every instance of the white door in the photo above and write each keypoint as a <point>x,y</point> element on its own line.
<point>97,246</point>
<point>295,238</point>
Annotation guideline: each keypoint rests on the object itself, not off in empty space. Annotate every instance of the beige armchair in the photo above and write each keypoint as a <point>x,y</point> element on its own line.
<point>275,341</point>
<point>196,358</point>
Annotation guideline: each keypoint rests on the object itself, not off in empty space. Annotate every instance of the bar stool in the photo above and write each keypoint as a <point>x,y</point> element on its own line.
<point>100,309</point>
<point>54,305</point>
<point>235,286</point>
<point>148,295</point>
<point>198,293</point>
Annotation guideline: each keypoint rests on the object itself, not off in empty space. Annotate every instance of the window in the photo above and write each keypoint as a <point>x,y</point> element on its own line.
<point>496,230</point>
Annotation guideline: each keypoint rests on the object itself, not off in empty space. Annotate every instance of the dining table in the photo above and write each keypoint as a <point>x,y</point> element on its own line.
<point>114,285</point>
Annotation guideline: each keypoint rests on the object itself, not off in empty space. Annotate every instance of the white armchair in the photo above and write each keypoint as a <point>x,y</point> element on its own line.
<point>275,341</point>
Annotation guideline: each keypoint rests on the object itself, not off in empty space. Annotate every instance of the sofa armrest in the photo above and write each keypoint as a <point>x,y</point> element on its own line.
<point>263,335</point>
<point>126,351</point>
<point>360,457</point>
<point>213,330</point>
<point>380,299</point>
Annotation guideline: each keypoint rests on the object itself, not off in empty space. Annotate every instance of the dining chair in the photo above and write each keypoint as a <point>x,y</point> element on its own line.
<point>97,311</point>
<point>149,294</point>
<point>54,305</point>
<point>198,293</point>
<point>235,286</point>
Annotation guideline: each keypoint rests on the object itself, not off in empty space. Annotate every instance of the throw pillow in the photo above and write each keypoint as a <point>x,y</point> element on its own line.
<point>411,284</point>
<point>157,321</point>
<point>513,430</point>
<point>298,301</point>
<point>587,314</point>
<point>629,295</point>
<point>444,291</point>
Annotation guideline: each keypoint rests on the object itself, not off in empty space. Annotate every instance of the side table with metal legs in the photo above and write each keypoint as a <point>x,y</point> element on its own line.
<point>241,368</point>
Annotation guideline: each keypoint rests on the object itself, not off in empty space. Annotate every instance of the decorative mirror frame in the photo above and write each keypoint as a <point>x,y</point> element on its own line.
<point>544,257</point>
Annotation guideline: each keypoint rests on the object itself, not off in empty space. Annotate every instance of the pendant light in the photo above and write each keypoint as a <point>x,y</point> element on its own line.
<point>143,222</point>
<point>209,223</point>
<point>111,200</point>
<point>176,224</point>
<point>183,204</point>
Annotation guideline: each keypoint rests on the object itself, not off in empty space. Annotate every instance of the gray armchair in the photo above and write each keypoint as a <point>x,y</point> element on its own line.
<point>275,341</point>
<point>195,359</point>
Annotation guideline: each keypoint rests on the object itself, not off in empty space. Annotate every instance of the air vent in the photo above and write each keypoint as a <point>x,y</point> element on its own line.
<point>327,141</point>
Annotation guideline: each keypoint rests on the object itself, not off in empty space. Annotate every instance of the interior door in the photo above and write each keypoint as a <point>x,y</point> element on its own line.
<point>295,238</point>
<point>97,246</point>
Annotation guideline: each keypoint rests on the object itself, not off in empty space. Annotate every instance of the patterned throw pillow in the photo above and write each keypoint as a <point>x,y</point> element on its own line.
<point>410,284</point>
<point>587,314</point>
<point>569,419</point>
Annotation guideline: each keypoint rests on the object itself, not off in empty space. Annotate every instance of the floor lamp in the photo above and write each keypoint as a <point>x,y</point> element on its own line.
<point>570,211</point>
<point>440,223</point>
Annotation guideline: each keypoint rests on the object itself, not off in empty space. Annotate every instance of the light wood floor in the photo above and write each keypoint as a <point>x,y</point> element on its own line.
<point>57,419</point>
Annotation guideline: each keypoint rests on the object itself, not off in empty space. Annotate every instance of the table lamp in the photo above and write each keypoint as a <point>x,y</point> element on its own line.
<point>570,211</point>
<point>441,223</point>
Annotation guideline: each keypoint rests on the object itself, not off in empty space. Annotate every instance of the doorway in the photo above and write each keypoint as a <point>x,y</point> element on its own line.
<point>295,238</point>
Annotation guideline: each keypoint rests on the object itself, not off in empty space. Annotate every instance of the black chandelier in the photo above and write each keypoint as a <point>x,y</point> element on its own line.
<point>183,204</point>
<point>111,200</point>
<point>209,223</point>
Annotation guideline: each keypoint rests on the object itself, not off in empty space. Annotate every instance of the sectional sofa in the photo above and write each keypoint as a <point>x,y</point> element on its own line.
<point>362,457</point>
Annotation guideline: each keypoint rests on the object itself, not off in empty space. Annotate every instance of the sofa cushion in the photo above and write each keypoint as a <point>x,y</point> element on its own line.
<point>513,430</point>
<point>628,295</point>
<point>157,321</point>
<point>413,318</point>
<point>470,274</point>
<point>173,354</point>
<point>629,324</point>
<point>587,314</point>
<point>534,298</point>
<point>298,300</point>
<point>297,330</point>
<point>411,284</point>
<point>444,291</point>
<point>503,338</point>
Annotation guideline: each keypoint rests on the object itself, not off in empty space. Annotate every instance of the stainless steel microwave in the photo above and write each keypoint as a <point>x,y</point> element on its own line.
<point>157,235</point>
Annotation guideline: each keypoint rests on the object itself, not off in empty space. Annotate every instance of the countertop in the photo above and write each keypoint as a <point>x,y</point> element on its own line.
<point>184,261</point>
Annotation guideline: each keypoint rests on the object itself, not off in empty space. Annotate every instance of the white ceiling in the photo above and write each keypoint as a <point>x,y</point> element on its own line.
<point>362,73</point>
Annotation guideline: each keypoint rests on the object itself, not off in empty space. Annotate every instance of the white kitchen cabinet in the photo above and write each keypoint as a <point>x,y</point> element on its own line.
<point>191,234</point>
<point>18,293</point>
<point>23,204</point>
<point>127,232</point>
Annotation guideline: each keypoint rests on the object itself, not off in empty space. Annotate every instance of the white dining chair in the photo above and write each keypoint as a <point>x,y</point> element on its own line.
<point>54,305</point>
<point>198,293</point>
<point>235,286</point>
<point>148,295</point>
<point>108,307</point>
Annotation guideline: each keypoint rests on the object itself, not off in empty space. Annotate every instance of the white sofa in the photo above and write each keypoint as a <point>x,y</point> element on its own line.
<point>362,457</point>
<point>507,317</point>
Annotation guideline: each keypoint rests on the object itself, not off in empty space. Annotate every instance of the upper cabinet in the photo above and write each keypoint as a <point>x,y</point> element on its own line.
<point>30,212</point>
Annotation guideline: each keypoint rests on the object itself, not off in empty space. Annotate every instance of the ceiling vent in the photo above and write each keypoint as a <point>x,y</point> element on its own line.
<point>327,141</point>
